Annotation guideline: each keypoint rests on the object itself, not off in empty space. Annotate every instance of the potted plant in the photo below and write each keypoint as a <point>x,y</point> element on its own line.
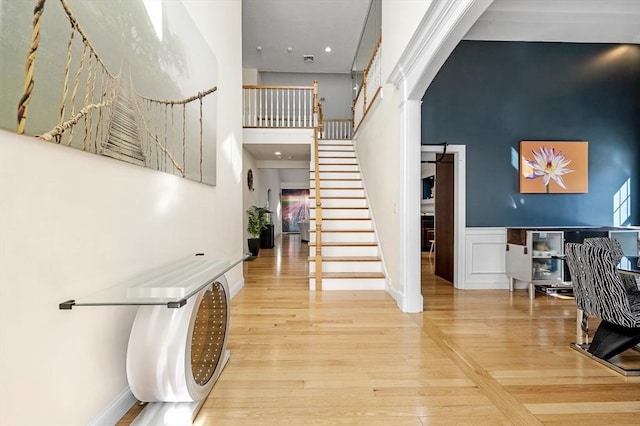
<point>258,219</point>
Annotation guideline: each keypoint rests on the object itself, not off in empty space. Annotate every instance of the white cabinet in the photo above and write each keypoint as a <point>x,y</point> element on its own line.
<point>535,257</point>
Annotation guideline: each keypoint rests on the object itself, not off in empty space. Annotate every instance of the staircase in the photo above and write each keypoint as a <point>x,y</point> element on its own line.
<point>350,252</point>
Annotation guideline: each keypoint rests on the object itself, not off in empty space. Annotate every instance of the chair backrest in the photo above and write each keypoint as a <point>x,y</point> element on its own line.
<point>607,243</point>
<point>615,248</point>
<point>576,269</point>
<point>597,285</point>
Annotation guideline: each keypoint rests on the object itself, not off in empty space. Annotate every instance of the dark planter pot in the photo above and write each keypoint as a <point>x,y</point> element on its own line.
<point>254,246</point>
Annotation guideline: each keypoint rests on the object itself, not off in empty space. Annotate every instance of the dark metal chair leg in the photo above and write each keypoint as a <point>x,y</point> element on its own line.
<point>611,339</point>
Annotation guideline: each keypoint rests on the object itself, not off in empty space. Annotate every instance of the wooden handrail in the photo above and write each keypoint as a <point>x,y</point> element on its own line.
<point>318,257</point>
<point>362,90</point>
<point>373,54</point>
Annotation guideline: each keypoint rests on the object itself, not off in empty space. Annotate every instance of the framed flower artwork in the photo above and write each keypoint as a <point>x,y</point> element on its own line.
<point>554,167</point>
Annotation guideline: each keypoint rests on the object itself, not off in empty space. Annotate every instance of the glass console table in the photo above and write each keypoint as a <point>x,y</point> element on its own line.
<point>174,356</point>
<point>169,285</point>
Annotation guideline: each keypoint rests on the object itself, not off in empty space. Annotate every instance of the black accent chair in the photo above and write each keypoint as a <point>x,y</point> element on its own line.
<point>600,292</point>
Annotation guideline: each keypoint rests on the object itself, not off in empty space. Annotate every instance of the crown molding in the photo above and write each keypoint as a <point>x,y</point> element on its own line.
<point>442,27</point>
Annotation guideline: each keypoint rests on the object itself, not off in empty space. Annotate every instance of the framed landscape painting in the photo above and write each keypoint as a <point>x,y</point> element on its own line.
<point>113,78</point>
<point>554,167</point>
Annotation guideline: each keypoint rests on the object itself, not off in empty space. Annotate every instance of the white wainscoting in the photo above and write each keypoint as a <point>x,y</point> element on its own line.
<point>485,259</point>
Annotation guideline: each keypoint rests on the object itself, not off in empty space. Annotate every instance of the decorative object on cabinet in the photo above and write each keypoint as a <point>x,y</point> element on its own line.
<point>258,219</point>
<point>554,167</point>
<point>177,350</point>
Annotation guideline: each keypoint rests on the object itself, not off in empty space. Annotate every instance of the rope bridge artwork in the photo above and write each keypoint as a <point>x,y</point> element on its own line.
<point>106,78</point>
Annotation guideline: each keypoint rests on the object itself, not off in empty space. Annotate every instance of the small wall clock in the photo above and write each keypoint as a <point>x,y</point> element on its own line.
<point>250,179</point>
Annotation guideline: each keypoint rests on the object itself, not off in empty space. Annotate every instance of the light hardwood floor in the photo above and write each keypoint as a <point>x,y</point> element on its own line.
<point>353,358</point>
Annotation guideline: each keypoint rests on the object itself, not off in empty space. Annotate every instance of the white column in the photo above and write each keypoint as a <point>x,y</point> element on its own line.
<point>409,209</point>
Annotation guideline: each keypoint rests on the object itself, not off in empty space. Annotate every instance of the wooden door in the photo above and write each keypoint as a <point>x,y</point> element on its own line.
<point>444,218</point>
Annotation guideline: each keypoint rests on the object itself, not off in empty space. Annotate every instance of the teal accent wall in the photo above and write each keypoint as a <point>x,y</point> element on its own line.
<point>489,96</point>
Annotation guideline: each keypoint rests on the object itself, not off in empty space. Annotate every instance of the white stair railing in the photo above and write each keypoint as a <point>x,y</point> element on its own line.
<point>277,106</point>
<point>336,128</point>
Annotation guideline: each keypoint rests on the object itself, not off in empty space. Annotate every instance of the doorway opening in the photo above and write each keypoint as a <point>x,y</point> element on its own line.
<point>449,210</point>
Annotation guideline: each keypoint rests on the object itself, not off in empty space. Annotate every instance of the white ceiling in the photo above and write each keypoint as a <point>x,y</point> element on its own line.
<point>308,26</point>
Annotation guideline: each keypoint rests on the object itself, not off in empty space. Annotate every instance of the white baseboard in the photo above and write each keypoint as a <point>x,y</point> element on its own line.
<point>410,305</point>
<point>117,408</point>
<point>397,296</point>
<point>236,287</point>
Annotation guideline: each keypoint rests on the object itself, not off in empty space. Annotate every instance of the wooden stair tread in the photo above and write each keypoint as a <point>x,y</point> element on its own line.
<point>342,218</point>
<point>354,163</point>
<point>341,208</point>
<point>337,179</point>
<point>337,198</point>
<point>354,275</point>
<point>345,244</point>
<point>336,171</point>
<point>335,231</point>
<point>347,259</point>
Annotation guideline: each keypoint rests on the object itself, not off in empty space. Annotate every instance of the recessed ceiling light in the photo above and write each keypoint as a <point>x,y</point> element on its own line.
<point>277,153</point>
<point>327,49</point>
<point>289,49</point>
<point>259,48</point>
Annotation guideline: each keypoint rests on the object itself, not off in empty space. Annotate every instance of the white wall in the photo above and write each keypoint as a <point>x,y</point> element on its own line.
<point>72,223</point>
<point>335,88</point>
<point>377,147</point>
<point>251,77</point>
<point>270,179</point>
<point>378,138</point>
<point>400,19</point>
<point>249,198</point>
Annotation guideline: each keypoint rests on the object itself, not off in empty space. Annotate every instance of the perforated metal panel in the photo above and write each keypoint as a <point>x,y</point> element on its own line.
<point>208,338</point>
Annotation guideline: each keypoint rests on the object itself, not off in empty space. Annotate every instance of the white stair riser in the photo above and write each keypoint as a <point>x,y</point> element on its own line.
<point>327,161</point>
<point>333,154</point>
<point>346,266</point>
<point>335,175</point>
<point>341,202</point>
<point>336,168</point>
<point>337,184</point>
<point>338,193</point>
<point>329,141</point>
<point>346,251</point>
<point>342,213</point>
<point>330,284</point>
<point>337,237</point>
<point>333,148</point>
<point>343,225</point>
